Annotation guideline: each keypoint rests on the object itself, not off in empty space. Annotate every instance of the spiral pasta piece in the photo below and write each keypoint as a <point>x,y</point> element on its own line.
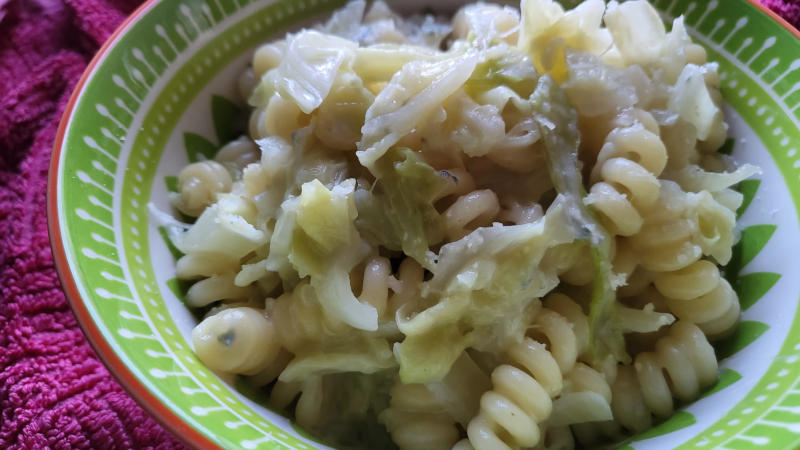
<point>459,182</point>
<point>666,240</point>
<point>375,283</point>
<point>198,186</point>
<point>406,284</point>
<point>586,396</point>
<point>470,211</point>
<point>238,340</point>
<point>238,154</point>
<point>267,57</point>
<point>519,214</point>
<point>217,287</point>
<point>280,117</point>
<point>682,363</point>
<point>201,264</point>
<point>624,178</point>
<point>416,421</point>
<point>309,395</point>
<point>698,293</point>
<point>523,390</point>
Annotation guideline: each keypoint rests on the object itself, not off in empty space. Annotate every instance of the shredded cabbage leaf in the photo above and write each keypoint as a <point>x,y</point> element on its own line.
<point>504,66</point>
<point>309,67</point>
<point>358,353</point>
<point>547,32</point>
<point>224,228</point>
<point>316,235</point>
<point>414,93</point>
<point>398,213</point>
<point>694,178</point>
<point>692,101</point>
<point>482,289</point>
<point>558,122</point>
<point>639,33</point>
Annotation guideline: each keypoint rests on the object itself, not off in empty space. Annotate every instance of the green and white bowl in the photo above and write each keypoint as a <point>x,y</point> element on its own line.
<point>165,82</point>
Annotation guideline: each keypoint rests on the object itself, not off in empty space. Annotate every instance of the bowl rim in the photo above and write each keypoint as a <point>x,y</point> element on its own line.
<point>116,367</point>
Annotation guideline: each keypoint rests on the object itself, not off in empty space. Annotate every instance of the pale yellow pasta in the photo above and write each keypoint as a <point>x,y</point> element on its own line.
<point>267,57</point>
<point>470,211</point>
<point>416,421</point>
<point>198,185</point>
<point>583,378</point>
<point>217,287</point>
<point>255,128</point>
<point>625,175</point>
<point>200,264</point>
<point>639,280</point>
<point>519,400</point>
<point>272,370</point>
<point>616,208</point>
<point>574,315</point>
<point>308,410</point>
<point>522,393</point>
<point>687,357</point>
<point>631,413</point>
<point>309,395</point>
<point>517,158</point>
<point>639,143</point>
<point>238,154</point>
<point>519,214</point>
<point>699,294</point>
<point>665,242</point>
<point>375,283</point>
<point>280,118</point>
<point>586,398</point>
<point>406,284</point>
<point>236,340</point>
<point>459,182</point>
<point>642,392</point>
<point>283,393</point>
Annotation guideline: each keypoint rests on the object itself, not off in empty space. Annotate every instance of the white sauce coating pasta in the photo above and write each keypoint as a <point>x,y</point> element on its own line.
<point>389,253</point>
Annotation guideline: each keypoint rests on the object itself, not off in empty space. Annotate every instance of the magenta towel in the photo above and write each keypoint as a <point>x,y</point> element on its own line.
<point>54,393</point>
<point>788,9</point>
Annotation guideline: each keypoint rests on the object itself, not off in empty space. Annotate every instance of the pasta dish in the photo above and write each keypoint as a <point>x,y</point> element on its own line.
<point>500,230</point>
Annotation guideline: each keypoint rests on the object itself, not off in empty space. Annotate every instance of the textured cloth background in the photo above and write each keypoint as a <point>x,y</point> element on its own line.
<point>788,9</point>
<point>54,393</point>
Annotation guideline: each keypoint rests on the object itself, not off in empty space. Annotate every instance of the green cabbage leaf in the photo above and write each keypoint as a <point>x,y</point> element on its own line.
<point>398,212</point>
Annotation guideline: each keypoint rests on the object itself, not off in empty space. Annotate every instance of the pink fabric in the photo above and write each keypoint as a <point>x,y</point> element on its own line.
<point>788,9</point>
<point>54,393</point>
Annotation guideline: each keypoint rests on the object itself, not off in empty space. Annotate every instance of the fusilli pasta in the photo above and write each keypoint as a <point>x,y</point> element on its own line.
<point>415,420</point>
<point>699,294</point>
<point>522,391</point>
<point>643,390</point>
